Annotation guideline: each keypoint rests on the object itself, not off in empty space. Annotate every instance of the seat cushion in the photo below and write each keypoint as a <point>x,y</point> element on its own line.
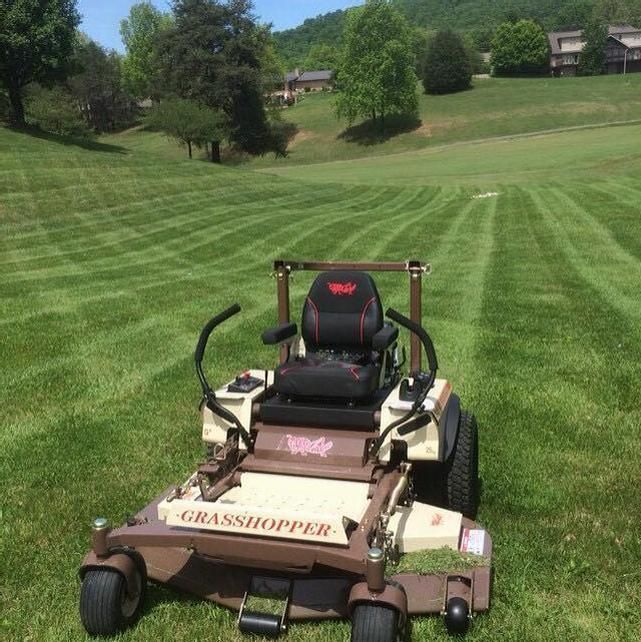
<point>311,377</point>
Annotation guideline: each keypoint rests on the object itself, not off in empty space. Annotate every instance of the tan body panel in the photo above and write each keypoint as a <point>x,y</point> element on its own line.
<point>272,506</point>
<point>311,509</point>
<point>423,444</point>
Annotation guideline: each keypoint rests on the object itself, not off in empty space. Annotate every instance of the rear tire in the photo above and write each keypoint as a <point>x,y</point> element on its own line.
<point>105,606</point>
<point>463,469</point>
<point>374,624</point>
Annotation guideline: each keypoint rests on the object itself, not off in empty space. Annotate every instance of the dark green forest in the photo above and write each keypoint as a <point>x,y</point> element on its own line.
<point>478,17</point>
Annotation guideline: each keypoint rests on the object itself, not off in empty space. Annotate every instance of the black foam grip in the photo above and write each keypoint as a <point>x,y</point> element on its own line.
<point>414,424</point>
<point>209,328</point>
<point>279,334</point>
<point>420,332</point>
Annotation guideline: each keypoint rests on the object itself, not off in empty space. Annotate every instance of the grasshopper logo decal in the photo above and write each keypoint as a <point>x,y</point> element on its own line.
<point>304,446</point>
<point>342,289</point>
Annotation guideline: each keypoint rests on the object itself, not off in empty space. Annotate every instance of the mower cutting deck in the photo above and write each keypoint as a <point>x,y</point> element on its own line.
<point>311,493</point>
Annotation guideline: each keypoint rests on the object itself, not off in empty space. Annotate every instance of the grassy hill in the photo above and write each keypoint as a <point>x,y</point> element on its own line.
<point>495,107</point>
<point>114,254</point>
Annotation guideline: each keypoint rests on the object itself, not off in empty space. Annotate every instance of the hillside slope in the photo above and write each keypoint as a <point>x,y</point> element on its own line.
<point>495,107</point>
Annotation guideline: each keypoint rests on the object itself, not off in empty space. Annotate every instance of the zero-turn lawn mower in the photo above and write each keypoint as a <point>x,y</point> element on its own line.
<point>312,501</point>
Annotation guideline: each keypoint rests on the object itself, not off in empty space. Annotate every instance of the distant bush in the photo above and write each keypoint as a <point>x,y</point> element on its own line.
<point>520,48</point>
<point>55,110</point>
<point>281,133</point>
<point>447,67</point>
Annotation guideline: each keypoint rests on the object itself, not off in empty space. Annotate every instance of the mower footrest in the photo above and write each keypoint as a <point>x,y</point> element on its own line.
<point>263,591</point>
<point>264,624</point>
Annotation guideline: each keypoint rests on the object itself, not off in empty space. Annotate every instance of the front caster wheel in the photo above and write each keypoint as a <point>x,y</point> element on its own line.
<point>374,624</point>
<point>457,616</point>
<point>106,607</point>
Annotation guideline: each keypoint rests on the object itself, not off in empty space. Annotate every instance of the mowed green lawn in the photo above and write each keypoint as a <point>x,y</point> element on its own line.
<point>111,260</point>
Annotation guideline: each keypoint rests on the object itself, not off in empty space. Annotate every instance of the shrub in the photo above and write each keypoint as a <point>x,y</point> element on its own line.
<point>54,110</point>
<point>190,123</point>
<point>447,67</point>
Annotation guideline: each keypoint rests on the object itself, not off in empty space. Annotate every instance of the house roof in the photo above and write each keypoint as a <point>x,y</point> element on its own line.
<point>291,76</point>
<point>325,74</point>
<point>555,37</point>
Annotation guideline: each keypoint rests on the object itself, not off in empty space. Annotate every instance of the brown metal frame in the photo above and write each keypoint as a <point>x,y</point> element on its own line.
<point>414,268</point>
<point>205,564</point>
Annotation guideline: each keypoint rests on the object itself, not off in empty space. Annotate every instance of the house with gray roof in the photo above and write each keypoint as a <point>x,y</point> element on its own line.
<point>623,50</point>
<point>310,80</point>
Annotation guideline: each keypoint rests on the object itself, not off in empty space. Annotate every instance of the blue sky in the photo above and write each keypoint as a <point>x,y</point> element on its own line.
<point>101,18</point>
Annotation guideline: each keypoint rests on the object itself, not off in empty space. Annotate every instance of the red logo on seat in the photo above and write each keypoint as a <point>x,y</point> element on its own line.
<point>342,289</point>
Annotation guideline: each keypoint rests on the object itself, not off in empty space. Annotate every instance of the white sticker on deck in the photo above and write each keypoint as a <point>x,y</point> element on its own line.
<point>473,541</point>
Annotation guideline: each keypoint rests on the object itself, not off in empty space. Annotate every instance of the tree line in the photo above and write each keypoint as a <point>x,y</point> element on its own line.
<point>206,67</point>
<point>477,20</point>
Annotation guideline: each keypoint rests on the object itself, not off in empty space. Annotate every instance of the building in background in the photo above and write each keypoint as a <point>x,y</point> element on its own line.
<point>623,50</point>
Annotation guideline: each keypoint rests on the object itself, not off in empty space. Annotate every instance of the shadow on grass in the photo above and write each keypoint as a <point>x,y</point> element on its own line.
<point>71,141</point>
<point>372,133</point>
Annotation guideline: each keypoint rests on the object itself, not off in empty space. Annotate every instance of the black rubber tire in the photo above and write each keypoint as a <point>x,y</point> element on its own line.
<point>372,623</point>
<point>457,616</point>
<point>105,608</point>
<point>463,469</point>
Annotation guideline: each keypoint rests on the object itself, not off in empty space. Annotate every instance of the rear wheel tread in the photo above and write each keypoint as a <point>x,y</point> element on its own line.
<point>462,474</point>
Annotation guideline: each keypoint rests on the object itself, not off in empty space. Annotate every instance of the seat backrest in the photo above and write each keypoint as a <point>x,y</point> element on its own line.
<point>343,310</point>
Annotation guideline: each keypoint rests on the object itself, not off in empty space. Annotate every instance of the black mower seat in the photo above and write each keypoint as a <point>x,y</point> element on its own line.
<point>313,377</point>
<point>341,315</point>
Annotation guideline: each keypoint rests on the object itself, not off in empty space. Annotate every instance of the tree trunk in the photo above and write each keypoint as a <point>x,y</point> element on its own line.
<point>17,107</point>
<point>215,151</point>
<point>189,148</point>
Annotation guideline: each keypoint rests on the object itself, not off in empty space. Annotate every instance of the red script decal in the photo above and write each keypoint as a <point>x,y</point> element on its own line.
<point>342,289</point>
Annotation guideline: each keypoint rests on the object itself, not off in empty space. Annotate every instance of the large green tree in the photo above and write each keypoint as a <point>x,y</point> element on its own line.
<point>376,74</point>
<point>520,47</point>
<point>447,67</point>
<point>213,54</point>
<point>593,57</point>
<point>36,44</point>
<point>139,32</point>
